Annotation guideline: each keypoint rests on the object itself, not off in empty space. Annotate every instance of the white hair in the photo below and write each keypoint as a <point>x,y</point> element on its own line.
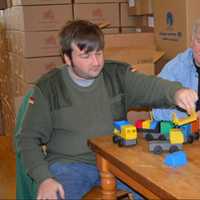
<point>196,28</point>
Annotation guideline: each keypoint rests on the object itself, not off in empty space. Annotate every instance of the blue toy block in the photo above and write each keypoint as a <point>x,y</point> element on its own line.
<point>119,124</point>
<point>176,159</point>
<point>186,129</point>
<point>154,124</point>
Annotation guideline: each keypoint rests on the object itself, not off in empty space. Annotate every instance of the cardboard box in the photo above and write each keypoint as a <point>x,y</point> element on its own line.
<point>131,30</point>
<point>99,1</point>
<point>140,7</point>
<point>30,69</point>
<point>110,30</point>
<point>98,13</point>
<point>143,60</point>
<point>145,22</point>
<point>129,21</point>
<point>173,24</point>
<point>42,18</point>
<point>38,44</point>
<point>136,30</point>
<point>39,2</point>
<point>132,40</point>
<point>34,44</point>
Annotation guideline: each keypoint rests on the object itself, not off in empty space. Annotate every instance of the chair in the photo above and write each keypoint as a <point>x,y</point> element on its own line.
<point>25,186</point>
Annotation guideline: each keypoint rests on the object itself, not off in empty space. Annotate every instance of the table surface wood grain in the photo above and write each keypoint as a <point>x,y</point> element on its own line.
<point>149,169</point>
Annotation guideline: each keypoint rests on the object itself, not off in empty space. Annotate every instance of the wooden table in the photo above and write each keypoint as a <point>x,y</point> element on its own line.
<point>146,172</point>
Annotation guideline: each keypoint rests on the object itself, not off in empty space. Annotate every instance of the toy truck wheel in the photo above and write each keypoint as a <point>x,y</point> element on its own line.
<point>190,139</point>
<point>173,149</point>
<point>162,137</point>
<point>115,139</point>
<point>157,149</point>
<point>120,143</point>
<point>149,137</point>
<point>196,136</point>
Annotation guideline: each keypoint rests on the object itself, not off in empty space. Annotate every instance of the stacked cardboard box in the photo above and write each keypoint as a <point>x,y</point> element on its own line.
<point>34,47</point>
<point>140,16</point>
<point>173,24</point>
<point>39,2</point>
<point>105,11</point>
<point>114,12</point>
<point>137,49</point>
<point>140,7</point>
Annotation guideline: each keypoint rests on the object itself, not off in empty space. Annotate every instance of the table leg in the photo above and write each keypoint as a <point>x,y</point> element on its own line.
<point>108,181</point>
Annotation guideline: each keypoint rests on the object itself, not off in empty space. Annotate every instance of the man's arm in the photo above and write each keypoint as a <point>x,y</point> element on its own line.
<point>151,91</point>
<point>36,130</point>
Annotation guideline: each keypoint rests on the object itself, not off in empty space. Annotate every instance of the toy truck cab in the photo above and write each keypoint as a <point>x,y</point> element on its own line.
<point>176,136</point>
<point>129,132</point>
<point>189,126</point>
<point>125,134</point>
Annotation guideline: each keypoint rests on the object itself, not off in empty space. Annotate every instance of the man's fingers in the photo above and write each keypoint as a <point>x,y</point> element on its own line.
<point>49,188</point>
<point>61,191</point>
<point>186,99</point>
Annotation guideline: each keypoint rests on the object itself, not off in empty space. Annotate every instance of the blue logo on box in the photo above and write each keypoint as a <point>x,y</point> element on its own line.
<point>169,19</point>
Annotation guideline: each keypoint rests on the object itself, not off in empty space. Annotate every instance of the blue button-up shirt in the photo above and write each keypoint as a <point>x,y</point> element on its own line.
<point>183,70</point>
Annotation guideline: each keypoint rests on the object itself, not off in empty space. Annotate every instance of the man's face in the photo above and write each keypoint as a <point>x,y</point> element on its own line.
<point>196,48</point>
<point>86,65</point>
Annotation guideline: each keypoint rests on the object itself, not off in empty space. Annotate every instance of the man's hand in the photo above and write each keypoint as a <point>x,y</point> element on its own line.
<point>186,99</point>
<point>49,188</point>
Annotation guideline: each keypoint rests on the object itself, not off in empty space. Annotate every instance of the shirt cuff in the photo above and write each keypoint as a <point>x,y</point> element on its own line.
<point>40,173</point>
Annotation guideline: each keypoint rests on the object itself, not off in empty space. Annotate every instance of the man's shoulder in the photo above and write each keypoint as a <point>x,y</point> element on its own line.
<point>51,75</point>
<point>182,60</point>
<point>185,55</point>
<point>112,65</point>
<point>115,63</point>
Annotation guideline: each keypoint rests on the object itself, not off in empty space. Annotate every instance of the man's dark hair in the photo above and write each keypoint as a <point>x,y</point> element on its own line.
<point>86,35</point>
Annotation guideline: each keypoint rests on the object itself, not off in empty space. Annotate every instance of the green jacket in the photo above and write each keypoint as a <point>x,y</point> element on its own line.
<point>126,88</point>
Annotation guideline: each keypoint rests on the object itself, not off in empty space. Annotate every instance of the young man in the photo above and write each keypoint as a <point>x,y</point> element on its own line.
<point>184,68</point>
<point>79,101</point>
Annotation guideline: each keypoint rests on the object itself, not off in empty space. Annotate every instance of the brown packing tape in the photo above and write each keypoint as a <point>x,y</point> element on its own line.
<point>104,25</point>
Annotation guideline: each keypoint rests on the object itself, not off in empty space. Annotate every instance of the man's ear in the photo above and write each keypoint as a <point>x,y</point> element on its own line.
<point>67,60</point>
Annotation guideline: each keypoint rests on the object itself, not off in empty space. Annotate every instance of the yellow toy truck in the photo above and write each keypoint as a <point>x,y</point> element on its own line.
<point>125,133</point>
